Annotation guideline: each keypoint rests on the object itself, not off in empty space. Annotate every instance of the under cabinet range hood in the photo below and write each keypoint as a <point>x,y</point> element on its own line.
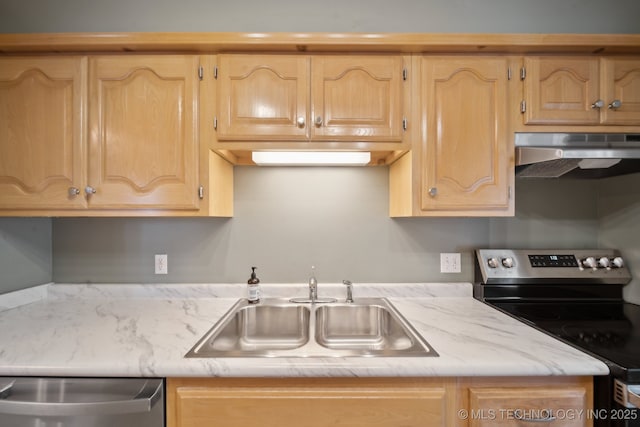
<point>576,155</point>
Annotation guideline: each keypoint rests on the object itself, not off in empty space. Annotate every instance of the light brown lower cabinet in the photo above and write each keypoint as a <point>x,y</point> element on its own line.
<point>504,404</point>
<point>377,402</point>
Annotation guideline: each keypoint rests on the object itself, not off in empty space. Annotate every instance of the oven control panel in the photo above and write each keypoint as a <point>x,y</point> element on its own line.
<point>534,266</point>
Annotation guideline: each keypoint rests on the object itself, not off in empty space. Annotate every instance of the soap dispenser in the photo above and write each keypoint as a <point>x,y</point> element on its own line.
<point>253,287</point>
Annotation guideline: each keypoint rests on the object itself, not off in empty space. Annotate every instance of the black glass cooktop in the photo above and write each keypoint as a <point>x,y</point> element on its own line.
<point>609,331</point>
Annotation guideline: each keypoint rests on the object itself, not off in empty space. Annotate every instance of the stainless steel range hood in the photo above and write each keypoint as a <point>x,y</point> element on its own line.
<point>576,155</point>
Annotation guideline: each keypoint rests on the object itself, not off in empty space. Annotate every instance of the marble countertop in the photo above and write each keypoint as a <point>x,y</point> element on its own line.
<point>145,330</point>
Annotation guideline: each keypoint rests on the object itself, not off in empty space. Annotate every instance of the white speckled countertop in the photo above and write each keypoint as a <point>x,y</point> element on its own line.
<point>145,330</point>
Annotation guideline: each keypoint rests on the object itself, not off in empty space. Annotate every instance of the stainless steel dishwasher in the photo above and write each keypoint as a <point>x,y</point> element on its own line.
<point>81,402</point>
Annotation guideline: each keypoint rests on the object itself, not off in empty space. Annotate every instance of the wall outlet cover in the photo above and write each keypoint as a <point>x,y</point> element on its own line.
<point>450,263</point>
<point>161,264</point>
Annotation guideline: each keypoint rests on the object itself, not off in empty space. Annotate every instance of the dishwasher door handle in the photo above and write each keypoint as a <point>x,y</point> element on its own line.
<point>144,401</point>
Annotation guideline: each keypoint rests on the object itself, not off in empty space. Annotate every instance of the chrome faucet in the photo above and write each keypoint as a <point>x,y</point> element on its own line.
<point>313,292</point>
<point>313,286</point>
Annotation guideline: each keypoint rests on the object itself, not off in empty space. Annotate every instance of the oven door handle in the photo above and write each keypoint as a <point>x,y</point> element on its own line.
<point>144,401</point>
<point>625,396</point>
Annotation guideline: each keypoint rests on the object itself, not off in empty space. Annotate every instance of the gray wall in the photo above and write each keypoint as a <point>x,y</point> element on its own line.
<point>619,223</point>
<point>438,16</point>
<point>25,253</point>
<point>287,219</point>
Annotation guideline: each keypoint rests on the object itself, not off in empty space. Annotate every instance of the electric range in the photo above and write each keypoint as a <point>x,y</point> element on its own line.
<point>575,296</point>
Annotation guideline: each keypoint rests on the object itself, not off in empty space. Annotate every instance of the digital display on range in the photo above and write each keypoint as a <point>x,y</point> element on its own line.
<point>553,261</point>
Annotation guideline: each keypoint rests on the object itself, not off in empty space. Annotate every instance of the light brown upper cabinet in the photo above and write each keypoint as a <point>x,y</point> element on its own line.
<point>463,164</point>
<point>42,106</point>
<point>561,90</point>
<point>310,98</point>
<point>143,146</point>
<point>106,135</point>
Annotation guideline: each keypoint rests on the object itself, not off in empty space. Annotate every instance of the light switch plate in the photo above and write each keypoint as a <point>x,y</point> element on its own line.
<point>450,263</point>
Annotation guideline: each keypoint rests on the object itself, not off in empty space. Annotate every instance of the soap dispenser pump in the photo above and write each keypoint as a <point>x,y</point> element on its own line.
<point>253,287</point>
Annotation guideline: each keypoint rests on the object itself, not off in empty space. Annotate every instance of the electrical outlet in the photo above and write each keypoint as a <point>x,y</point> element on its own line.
<point>450,263</point>
<point>162,264</point>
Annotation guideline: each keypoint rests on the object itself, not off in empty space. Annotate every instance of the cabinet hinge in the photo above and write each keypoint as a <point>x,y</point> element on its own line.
<point>215,123</point>
<point>523,106</point>
<point>509,73</point>
<point>405,74</point>
<point>523,73</point>
<point>405,123</point>
<point>201,192</point>
<point>200,72</point>
<point>509,192</point>
<point>215,72</point>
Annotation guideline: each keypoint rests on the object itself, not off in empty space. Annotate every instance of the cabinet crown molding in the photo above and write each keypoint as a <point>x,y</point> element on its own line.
<point>192,42</point>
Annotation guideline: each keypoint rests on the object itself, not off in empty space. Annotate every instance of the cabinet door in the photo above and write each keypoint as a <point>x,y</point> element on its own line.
<point>143,143</point>
<point>550,406</point>
<point>357,97</point>
<point>263,96</point>
<point>561,90</point>
<point>466,152</point>
<point>41,132</point>
<point>621,82</point>
<point>308,405</point>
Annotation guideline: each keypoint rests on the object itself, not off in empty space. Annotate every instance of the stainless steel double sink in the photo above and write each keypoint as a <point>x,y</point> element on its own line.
<point>368,327</point>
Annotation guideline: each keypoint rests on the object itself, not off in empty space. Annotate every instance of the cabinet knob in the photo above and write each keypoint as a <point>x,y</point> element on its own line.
<point>598,104</point>
<point>300,122</point>
<point>318,121</point>
<point>433,191</point>
<point>73,191</point>
<point>89,190</point>
<point>615,104</point>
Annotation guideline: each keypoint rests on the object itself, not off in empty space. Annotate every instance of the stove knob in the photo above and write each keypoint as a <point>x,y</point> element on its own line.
<point>618,262</point>
<point>590,262</point>
<point>507,262</point>
<point>604,263</point>
<point>493,262</point>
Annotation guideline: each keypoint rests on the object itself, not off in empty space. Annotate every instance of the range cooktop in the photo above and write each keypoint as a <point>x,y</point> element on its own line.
<point>575,296</point>
<point>608,331</point>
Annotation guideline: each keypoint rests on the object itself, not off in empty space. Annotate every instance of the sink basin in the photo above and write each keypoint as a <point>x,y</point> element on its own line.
<point>369,327</point>
<point>256,330</point>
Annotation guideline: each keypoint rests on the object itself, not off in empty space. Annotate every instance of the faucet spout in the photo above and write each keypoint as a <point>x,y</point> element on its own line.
<point>313,286</point>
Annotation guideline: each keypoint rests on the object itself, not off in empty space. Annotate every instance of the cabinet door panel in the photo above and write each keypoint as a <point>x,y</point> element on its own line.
<point>357,97</point>
<point>143,147</point>
<point>621,81</point>
<point>505,407</point>
<point>311,407</point>
<point>561,90</point>
<point>262,96</point>
<point>41,132</point>
<point>466,155</point>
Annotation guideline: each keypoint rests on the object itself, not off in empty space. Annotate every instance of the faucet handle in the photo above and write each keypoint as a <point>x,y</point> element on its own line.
<point>349,286</point>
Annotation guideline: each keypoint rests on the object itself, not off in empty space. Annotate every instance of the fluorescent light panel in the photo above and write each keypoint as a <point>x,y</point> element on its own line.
<point>310,158</point>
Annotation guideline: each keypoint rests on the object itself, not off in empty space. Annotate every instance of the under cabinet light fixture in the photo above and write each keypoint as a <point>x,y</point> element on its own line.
<point>311,158</point>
